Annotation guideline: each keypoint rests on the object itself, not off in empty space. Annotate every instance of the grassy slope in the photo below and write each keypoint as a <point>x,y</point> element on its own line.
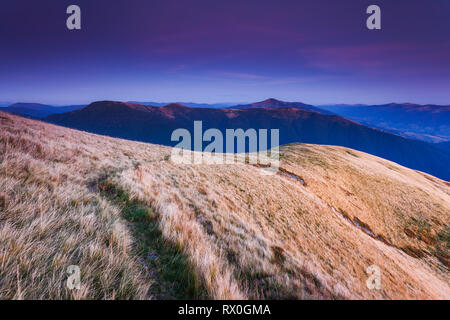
<point>219,231</point>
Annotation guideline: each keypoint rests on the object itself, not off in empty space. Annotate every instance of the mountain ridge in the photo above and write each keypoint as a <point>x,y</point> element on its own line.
<point>156,124</point>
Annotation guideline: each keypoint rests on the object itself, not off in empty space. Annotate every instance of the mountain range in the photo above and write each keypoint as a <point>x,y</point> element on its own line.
<point>156,124</point>
<point>429,122</point>
<point>38,110</point>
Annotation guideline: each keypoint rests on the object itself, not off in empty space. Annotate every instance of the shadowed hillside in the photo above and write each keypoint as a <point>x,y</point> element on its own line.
<point>444,146</point>
<point>156,124</point>
<point>140,226</point>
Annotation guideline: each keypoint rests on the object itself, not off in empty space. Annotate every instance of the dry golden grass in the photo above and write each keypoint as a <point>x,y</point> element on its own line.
<point>246,235</point>
<point>50,219</point>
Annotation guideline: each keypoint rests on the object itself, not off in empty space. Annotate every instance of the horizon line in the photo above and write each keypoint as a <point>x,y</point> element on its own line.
<point>9,103</point>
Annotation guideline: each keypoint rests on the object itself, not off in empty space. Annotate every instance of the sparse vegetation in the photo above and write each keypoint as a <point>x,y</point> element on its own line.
<point>166,262</point>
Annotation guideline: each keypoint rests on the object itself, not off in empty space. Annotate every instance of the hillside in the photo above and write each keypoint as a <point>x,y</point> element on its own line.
<point>429,123</point>
<point>156,124</point>
<point>140,226</point>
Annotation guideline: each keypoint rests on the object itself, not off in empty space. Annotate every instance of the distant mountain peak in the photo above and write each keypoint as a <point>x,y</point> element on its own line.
<point>271,101</point>
<point>275,103</point>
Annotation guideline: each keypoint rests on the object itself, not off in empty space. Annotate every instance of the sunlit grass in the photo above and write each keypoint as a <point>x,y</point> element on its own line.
<point>141,227</point>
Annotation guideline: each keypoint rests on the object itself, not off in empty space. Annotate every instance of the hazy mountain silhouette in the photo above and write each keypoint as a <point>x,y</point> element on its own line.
<point>156,124</point>
<point>38,110</point>
<point>424,122</point>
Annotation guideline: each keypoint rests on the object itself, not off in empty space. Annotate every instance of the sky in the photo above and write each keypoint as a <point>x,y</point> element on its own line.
<point>316,52</point>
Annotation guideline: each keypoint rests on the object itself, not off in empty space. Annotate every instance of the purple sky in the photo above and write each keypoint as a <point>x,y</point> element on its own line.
<point>316,52</point>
